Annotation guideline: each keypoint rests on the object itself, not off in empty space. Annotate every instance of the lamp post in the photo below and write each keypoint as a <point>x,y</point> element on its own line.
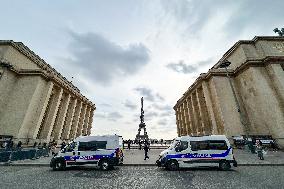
<point>225,64</point>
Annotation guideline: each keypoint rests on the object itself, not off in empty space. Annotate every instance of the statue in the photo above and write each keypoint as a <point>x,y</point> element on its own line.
<point>142,125</point>
<point>280,32</point>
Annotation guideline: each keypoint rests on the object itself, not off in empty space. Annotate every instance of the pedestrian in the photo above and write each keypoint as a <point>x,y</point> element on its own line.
<point>53,148</point>
<point>146,149</point>
<point>140,145</point>
<point>259,150</point>
<point>35,144</point>
<point>62,145</point>
<point>6,145</point>
<point>11,144</point>
<point>129,142</point>
<point>19,145</point>
<point>273,145</point>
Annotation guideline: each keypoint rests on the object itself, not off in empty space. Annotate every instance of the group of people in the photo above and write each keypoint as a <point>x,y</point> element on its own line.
<point>9,145</point>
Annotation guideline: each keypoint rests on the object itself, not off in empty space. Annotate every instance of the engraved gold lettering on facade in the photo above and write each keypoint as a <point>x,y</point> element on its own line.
<point>279,46</point>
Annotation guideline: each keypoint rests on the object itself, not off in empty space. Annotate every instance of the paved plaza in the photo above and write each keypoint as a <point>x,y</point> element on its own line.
<point>136,177</point>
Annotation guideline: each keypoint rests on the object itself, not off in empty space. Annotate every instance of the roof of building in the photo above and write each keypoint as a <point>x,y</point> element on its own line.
<point>215,69</point>
<point>43,65</point>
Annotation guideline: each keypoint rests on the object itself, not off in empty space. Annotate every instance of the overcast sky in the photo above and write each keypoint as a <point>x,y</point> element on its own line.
<point>119,51</point>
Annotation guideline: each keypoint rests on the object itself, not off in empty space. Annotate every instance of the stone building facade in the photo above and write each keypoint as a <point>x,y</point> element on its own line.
<point>257,75</point>
<point>36,102</point>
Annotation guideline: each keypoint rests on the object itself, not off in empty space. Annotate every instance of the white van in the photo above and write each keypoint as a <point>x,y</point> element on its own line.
<point>189,151</point>
<point>103,151</point>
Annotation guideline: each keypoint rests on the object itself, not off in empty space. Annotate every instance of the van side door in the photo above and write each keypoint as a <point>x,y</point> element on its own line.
<point>86,153</point>
<point>200,153</point>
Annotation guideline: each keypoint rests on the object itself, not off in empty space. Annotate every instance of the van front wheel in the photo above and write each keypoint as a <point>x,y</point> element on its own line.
<point>224,165</point>
<point>172,165</point>
<point>104,165</point>
<point>59,165</point>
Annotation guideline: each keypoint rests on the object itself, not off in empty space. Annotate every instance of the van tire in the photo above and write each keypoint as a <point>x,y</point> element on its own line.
<point>224,165</point>
<point>172,165</point>
<point>104,165</point>
<point>59,165</point>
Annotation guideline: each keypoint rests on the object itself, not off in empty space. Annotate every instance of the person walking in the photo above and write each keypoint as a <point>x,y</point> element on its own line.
<point>128,144</point>
<point>259,150</point>
<point>53,149</point>
<point>146,149</point>
<point>63,145</point>
<point>140,145</point>
<point>19,145</point>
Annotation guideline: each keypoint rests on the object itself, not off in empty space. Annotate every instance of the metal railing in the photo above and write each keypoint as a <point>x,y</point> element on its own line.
<point>22,154</point>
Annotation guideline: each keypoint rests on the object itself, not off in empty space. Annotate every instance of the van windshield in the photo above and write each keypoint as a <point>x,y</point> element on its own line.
<point>173,145</point>
<point>70,147</point>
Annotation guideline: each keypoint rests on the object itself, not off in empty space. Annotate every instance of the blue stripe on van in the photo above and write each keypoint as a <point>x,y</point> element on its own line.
<point>87,157</point>
<point>197,155</point>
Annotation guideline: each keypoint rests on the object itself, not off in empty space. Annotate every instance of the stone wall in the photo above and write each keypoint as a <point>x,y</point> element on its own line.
<point>258,80</point>
<point>39,104</point>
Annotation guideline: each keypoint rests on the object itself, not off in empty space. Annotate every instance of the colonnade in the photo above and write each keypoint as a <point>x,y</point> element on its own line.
<point>65,116</point>
<point>192,117</point>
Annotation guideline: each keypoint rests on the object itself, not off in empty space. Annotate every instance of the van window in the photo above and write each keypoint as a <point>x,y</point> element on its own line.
<point>92,145</point>
<point>199,145</point>
<point>218,145</point>
<point>183,145</point>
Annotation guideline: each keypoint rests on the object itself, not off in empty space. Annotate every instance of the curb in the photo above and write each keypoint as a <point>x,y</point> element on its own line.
<point>129,165</point>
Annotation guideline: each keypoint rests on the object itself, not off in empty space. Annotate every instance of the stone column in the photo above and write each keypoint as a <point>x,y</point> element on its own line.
<point>181,120</point>
<point>90,122</point>
<point>196,113</point>
<point>75,121</point>
<point>81,120</point>
<point>33,113</point>
<point>86,121</point>
<point>51,114</point>
<point>45,99</point>
<point>209,105</point>
<point>187,118</point>
<point>177,123</point>
<point>204,112</point>
<point>192,115</point>
<point>59,122</point>
<point>69,119</point>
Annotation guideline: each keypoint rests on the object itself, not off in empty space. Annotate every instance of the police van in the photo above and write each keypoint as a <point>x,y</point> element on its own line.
<point>190,151</point>
<point>102,151</point>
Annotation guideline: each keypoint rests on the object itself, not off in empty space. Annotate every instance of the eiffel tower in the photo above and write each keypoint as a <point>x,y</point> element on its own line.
<point>142,125</point>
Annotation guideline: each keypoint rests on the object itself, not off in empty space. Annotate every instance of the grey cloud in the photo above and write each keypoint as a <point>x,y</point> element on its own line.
<point>111,116</point>
<point>194,14</point>
<point>162,122</point>
<point>182,67</point>
<point>162,107</point>
<point>130,105</point>
<point>102,61</point>
<point>105,105</point>
<point>148,94</point>
<point>255,14</point>
<point>165,110</point>
<point>151,114</point>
